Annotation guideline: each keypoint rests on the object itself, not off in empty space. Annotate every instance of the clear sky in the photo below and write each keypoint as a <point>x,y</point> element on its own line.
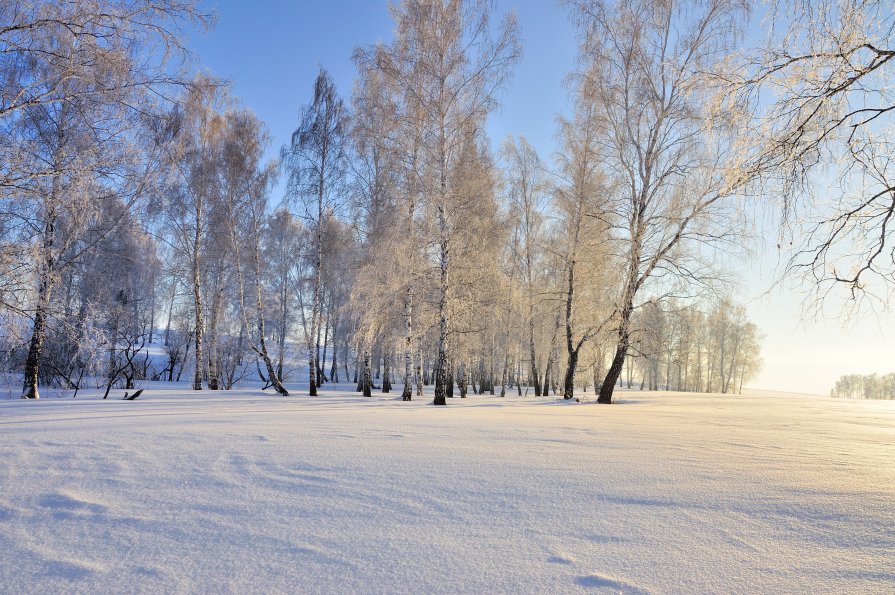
<point>271,50</point>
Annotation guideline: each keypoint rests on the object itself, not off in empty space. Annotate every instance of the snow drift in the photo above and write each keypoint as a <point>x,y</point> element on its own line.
<point>248,492</point>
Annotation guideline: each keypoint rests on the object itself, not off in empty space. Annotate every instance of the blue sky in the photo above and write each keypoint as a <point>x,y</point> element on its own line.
<point>271,51</point>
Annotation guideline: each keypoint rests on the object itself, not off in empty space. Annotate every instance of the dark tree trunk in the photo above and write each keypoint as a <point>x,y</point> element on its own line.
<point>334,369</point>
<point>318,379</point>
<point>112,374</point>
<point>212,340</point>
<point>449,382</point>
<point>282,327</point>
<point>170,312</point>
<point>367,379</point>
<point>535,379</point>
<point>569,386</point>
<point>197,295</point>
<point>32,363</point>
<point>39,330</point>
<point>386,375</point>
<point>505,377</point>
<point>407,390</point>
<point>312,372</point>
<point>240,341</point>
<point>462,381</point>
<point>613,375</point>
<point>189,341</point>
<point>321,378</point>
<point>441,391</point>
<point>419,371</point>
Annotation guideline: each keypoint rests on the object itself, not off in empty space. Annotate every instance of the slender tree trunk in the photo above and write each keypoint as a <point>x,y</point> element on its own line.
<point>313,342</point>
<point>441,361</point>
<point>283,326</point>
<point>367,377</point>
<point>569,385</point>
<point>240,341</point>
<point>449,380</point>
<point>668,374</point>
<point>112,374</point>
<point>186,353</point>
<point>212,342</point>
<point>732,365</point>
<point>531,351</point>
<point>260,348</point>
<point>262,351</point>
<point>334,369</point>
<point>170,312</point>
<point>197,297</point>
<point>462,380</point>
<point>406,393</point>
<point>506,369</point>
<point>35,347</point>
<point>320,323</point>
<point>321,377</point>
<point>547,372</point>
<point>571,351</point>
<point>506,373</point>
<point>419,369</point>
<point>152,297</point>
<point>312,366</point>
<point>376,357</point>
<point>386,369</point>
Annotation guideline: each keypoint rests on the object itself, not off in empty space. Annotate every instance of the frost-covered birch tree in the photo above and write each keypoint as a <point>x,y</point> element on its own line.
<point>315,162</point>
<point>580,199</point>
<point>385,198</point>
<point>81,86</point>
<point>453,69</point>
<point>282,241</point>
<point>194,192</point>
<point>245,184</point>
<point>526,201</point>
<point>646,66</point>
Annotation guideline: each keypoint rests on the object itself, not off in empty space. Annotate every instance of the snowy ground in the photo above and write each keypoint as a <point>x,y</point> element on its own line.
<point>244,492</point>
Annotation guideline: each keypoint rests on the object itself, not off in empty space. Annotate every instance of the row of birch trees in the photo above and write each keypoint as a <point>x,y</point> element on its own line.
<point>146,234</point>
<point>501,269</point>
<point>865,386</point>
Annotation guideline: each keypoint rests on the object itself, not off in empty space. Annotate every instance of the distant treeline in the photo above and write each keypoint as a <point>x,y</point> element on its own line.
<point>870,386</point>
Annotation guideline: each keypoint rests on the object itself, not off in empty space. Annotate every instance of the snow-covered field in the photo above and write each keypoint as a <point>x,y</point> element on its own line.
<point>248,492</point>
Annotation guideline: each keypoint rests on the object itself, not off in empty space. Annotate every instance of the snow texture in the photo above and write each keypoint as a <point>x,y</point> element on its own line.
<point>250,492</point>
